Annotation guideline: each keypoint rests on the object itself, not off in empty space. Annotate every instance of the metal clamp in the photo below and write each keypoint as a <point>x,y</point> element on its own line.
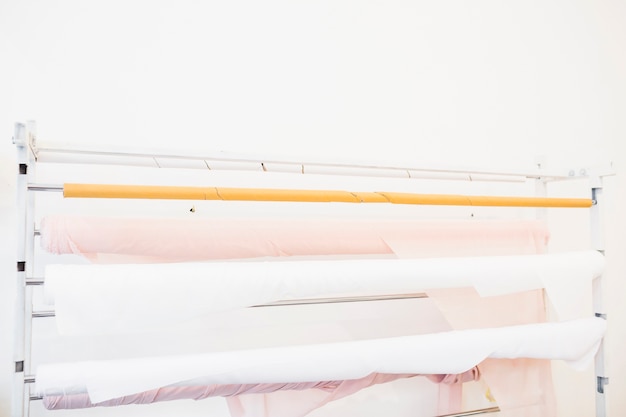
<point>602,381</point>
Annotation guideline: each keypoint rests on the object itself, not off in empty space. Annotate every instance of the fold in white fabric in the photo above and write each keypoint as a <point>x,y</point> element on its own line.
<point>91,299</point>
<point>574,341</point>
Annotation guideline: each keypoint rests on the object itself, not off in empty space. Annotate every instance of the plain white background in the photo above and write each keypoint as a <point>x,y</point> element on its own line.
<point>485,83</point>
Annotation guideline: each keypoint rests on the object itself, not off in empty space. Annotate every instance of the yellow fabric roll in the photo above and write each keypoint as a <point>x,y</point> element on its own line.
<point>266,194</point>
<point>139,192</point>
<point>471,200</point>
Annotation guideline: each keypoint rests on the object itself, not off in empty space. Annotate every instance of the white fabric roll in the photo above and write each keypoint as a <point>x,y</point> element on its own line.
<point>91,299</point>
<point>574,341</point>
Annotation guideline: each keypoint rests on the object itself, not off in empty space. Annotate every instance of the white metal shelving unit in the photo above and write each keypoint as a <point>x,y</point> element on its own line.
<point>30,152</point>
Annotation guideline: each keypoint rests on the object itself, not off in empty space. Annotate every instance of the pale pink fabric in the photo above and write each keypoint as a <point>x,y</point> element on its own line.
<point>522,387</point>
<point>530,397</point>
<point>141,240</point>
<point>270,405</point>
<point>81,400</point>
<point>329,390</point>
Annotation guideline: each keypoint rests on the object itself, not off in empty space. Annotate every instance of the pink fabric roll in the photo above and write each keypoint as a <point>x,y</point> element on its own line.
<point>331,390</point>
<point>141,240</point>
<point>56,402</point>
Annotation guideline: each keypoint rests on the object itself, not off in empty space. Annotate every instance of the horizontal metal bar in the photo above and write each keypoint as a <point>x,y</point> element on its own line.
<point>29,379</point>
<point>264,160</point>
<point>473,412</point>
<point>47,153</point>
<point>43,314</point>
<point>45,187</point>
<point>34,281</point>
<point>37,232</point>
<point>355,299</point>
<point>303,301</point>
<point>35,398</point>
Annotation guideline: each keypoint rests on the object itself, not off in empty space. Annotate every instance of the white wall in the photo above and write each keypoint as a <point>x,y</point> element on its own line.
<point>470,83</point>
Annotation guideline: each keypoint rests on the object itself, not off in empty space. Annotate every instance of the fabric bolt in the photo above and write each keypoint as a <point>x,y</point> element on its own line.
<point>161,192</point>
<point>330,390</point>
<point>453,352</point>
<point>141,240</point>
<point>103,298</point>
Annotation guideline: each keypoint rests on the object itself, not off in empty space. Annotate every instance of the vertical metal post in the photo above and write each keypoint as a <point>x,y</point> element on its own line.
<point>20,141</point>
<point>23,137</point>
<point>31,133</point>
<point>597,243</point>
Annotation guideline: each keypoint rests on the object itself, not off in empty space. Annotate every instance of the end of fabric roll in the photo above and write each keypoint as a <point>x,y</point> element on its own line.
<point>51,235</point>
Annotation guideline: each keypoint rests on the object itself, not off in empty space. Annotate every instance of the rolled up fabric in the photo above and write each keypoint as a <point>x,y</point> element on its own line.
<point>127,298</point>
<point>333,389</point>
<point>178,392</point>
<point>454,352</point>
<point>139,240</point>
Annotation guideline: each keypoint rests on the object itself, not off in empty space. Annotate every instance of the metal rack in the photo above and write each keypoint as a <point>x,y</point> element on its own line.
<point>30,152</point>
